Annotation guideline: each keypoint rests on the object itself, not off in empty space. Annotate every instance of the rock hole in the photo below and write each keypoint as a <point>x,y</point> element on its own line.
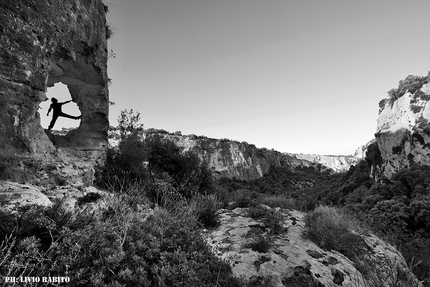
<point>62,124</point>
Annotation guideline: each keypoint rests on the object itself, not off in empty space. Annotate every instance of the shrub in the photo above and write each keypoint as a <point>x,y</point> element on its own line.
<point>272,219</point>
<point>118,249</point>
<point>259,244</point>
<point>243,198</point>
<point>109,31</point>
<point>206,210</point>
<point>416,108</point>
<point>257,212</point>
<point>125,164</point>
<point>106,8</point>
<point>189,174</point>
<point>331,229</point>
<point>411,83</point>
<point>279,201</point>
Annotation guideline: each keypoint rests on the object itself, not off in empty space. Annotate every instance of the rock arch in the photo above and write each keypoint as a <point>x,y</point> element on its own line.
<point>46,42</point>
<point>88,89</point>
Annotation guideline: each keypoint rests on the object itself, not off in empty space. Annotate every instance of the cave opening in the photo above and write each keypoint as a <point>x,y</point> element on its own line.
<point>63,124</point>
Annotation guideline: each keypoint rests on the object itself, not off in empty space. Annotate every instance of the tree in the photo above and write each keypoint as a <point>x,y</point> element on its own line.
<point>125,163</point>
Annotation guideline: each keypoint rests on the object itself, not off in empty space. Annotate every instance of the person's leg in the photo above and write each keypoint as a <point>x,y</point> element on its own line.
<point>69,116</point>
<point>54,119</point>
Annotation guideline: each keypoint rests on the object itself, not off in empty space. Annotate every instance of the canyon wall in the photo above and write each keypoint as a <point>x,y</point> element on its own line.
<point>338,163</point>
<point>233,159</point>
<point>403,130</point>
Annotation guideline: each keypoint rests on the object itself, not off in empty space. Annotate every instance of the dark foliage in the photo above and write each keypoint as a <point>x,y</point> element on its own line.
<point>332,231</point>
<point>118,250</point>
<point>206,210</point>
<point>189,174</point>
<point>125,164</point>
<point>259,244</point>
<point>411,83</point>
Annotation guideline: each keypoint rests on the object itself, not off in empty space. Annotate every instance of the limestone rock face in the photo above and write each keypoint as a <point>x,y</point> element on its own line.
<point>403,130</point>
<point>338,163</point>
<point>291,260</point>
<point>43,43</point>
<point>360,152</point>
<point>233,159</point>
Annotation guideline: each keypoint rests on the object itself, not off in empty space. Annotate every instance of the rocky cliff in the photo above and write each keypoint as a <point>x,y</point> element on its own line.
<point>403,130</point>
<point>245,161</point>
<point>48,42</point>
<point>338,163</point>
<point>231,158</point>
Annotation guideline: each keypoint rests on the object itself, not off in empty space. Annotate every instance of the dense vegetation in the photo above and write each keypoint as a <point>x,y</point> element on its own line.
<point>398,210</point>
<point>125,244</point>
<point>117,249</point>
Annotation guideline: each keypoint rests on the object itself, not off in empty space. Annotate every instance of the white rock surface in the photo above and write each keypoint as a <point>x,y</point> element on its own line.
<point>293,260</point>
<point>403,131</point>
<point>338,163</point>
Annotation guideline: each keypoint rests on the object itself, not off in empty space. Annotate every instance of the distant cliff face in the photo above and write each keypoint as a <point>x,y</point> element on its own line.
<point>338,163</point>
<point>360,152</point>
<point>233,159</point>
<point>403,130</point>
<point>47,42</point>
<point>245,161</point>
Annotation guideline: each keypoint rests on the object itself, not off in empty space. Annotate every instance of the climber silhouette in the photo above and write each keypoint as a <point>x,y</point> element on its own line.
<point>56,107</point>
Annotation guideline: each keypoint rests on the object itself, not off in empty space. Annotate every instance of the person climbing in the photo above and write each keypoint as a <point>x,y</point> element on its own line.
<point>56,107</point>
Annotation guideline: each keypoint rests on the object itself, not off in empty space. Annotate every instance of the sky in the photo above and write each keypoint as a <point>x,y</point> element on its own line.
<point>298,76</point>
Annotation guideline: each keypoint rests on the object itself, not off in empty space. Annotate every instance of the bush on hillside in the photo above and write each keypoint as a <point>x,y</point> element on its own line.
<point>137,160</point>
<point>411,84</point>
<point>272,219</point>
<point>190,175</point>
<point>242,198</point>
<point>331,229</point>
<point>259,244</point>
<point>118,249</point>
<point>206,210</point>
<point>282,201</point>
<point>125,164</point>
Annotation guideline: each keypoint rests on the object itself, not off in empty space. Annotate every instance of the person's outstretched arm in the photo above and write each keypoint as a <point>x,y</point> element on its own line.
<point>66,102</point>
<point>50,108</point>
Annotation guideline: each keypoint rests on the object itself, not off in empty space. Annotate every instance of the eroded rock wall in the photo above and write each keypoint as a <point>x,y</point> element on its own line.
<point>338,163</point>
<point>43,43</point>
<point>403,130</point>
<point>233,159</point>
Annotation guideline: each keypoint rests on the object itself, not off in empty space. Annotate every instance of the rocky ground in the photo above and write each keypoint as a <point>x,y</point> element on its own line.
<point>288,259</point>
